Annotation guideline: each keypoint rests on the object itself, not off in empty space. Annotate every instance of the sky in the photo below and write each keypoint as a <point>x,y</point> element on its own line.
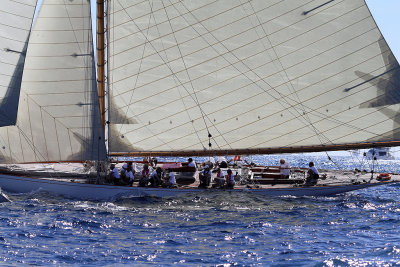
<point>387,15</point>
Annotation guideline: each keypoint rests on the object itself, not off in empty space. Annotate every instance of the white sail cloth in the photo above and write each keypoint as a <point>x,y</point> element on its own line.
<point>58,118</point>
<point>252,74</point>
<point>15,24</point>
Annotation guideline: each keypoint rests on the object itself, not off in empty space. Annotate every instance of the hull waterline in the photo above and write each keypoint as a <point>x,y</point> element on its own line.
<point>16,184</point>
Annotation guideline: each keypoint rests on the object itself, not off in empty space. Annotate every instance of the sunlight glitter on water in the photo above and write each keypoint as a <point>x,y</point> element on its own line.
<point>359,228</point>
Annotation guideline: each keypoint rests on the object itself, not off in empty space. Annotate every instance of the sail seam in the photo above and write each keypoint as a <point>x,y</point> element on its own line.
<point>213,36</point>
<point>175,81</point>
<point>322,52</point>
<point>289,120</point>
<point>169,67</point>
<point>137,78</point>
<point>191,84</point>
<point>291,87</point>
<point>120,80</point>
<point>201,35</point>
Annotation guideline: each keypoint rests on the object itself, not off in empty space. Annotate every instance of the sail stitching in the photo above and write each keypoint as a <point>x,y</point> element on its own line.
<point>323,117</point>
<point>334,120</point>
<point>332,89</point>
<point>137,78</point>
<point>303,114</point>
<point>191,85</point>
<point>316,82</point>
<point>161,36</point>
<point>238,74</point>
<point>303,108</point>
<point>335,127</point>
<point>169,67</point>
<point>228,52</point>
<point>284,99</point>
<point>201,35</point>
<point>74,30</point>
<point>203,26</point>
<point>175,81</point>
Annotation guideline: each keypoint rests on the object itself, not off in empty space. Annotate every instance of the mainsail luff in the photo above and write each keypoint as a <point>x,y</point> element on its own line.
<point>58,118</point>
<point>257,76</point>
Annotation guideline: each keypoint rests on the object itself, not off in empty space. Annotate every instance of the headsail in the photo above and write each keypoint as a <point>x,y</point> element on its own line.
<point>250,76</point>
<point>58,118</point>
<point>15,24</point>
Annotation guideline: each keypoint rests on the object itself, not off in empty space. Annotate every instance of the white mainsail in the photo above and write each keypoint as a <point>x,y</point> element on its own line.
<point>15,24</point>
<point>248,75</point>
<point>58,117</point>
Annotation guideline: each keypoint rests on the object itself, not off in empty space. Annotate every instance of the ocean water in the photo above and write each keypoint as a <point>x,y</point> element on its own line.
<point>360,228</point>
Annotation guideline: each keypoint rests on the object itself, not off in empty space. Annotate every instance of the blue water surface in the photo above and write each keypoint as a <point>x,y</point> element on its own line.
<point>220,228</point>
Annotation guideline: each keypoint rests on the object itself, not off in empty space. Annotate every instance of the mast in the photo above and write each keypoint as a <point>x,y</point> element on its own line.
<point>101,58</point>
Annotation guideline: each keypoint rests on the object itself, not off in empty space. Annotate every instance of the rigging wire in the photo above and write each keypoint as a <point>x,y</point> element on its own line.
<point>318,134</point>
<point>190,81</point>
<point>166,63</point>
<point>138,73</point>
<point>328,118</point>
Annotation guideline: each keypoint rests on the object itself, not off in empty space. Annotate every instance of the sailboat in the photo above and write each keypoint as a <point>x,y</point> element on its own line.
<point>381,153</point>
<point>191,78</point>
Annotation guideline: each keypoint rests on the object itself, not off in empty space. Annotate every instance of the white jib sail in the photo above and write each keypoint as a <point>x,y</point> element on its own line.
<point>15,24</point>
<point>250,74</point>
<point>58,117</point>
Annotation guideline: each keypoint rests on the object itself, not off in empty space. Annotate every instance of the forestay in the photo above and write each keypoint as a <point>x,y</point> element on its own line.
<point>251,74</point>
<point>58,118</point>
<point>15,24</point>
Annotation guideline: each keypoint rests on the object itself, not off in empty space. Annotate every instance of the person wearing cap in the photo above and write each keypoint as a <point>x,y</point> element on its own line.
<point>205,177</point>
<point>122,173</point>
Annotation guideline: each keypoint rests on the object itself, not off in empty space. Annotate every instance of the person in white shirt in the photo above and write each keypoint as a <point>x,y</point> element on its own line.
<point>284,169</point>
<point>191,163</point>
<point>129,175</point>
<point>313,175</point>
<point>171,180</point>
<point>156,177</point>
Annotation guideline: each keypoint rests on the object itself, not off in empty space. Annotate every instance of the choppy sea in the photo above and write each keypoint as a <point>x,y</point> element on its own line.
<point>360,228</point>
